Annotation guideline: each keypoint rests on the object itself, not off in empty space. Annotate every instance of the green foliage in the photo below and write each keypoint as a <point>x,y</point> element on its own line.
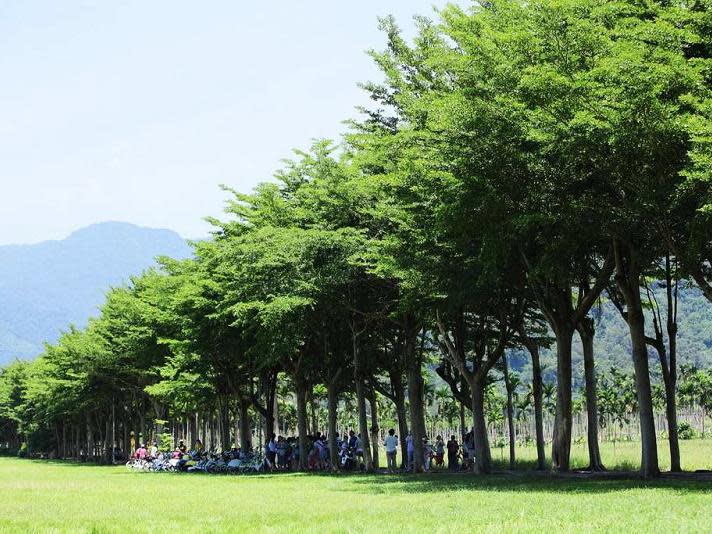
<point>685,431</point>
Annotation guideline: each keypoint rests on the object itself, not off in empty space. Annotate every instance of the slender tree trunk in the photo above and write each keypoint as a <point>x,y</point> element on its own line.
<point>268,412</point>
<point>586,333</point>
<point>399,400</point>
<point>113,430</point>
<point>483,457</point>
<point>332,407</point>
<point>374,426</point>
<point>314,418</point>
<point>561,442</point>
<point>670,370</point>
<point>415,396</point>
<point>275,409</point>
<point>245,430</point>
<point>671,412</point>
<point>301,390</point>
<point>462,418</point>
<point>649,459</point>
<point>224,425</point>
<point>537,391</point>
<point>361,400</point>
<point>510,412</point>
<point>628,281</point>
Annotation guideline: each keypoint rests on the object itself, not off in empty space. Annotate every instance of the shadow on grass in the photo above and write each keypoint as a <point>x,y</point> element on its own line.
<point>523,479</point>
<point>68,463</point>
<point>546,482</point>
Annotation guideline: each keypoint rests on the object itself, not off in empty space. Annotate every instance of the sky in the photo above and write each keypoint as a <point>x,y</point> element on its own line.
<point>137,110</point>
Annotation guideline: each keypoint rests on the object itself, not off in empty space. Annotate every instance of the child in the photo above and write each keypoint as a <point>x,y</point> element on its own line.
<point>391,443</point>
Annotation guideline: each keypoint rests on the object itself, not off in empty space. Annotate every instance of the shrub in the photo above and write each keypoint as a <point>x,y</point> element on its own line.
<point>685,431</point>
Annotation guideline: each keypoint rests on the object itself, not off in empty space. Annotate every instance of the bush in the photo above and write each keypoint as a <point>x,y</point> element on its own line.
<point>22,451</point>
<point>685,431</point>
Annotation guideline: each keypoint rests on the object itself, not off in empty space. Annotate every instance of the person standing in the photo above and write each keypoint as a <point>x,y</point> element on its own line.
<point>453,448</point>
<point>427,454</point>
<point>439,451</point>
<point>391,443</point>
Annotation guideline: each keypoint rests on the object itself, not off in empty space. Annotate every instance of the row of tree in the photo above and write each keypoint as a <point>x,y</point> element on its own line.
<point>521,161</point>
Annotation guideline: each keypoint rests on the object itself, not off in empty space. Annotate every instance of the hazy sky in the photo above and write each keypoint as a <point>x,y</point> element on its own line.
<point>136,110</point>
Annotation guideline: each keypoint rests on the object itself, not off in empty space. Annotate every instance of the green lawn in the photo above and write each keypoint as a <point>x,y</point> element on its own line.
<point>58,496</point>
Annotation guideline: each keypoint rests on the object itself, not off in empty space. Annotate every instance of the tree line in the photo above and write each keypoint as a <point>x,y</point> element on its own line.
<point>520,162</point>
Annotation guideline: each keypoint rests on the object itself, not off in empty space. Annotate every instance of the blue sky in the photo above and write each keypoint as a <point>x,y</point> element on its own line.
<point>136,110</point>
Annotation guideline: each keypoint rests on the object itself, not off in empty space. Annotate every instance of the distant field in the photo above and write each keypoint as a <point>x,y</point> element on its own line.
<point>44,496</point>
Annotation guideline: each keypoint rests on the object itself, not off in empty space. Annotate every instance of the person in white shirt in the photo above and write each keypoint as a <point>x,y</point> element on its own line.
<point>391,443</point>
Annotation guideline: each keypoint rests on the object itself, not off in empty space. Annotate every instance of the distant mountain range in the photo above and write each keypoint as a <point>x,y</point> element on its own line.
<point>48,286</point>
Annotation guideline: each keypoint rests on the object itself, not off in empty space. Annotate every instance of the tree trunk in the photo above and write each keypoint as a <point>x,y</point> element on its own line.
<point>268,413</point>
<point>245,430</point>
<point>671,412</point>
<point>415,397</point>
<point>586,332</point>
<point>670,370</point>
<point>113,431</point>
<point>628,281</point>
<point>313,419</point>
<point>510,412</point>
<point>301,390</point>
<point>483,456</point>
<point>224,425</point>
<point>361,401</point>
<point>399,401</point>
<point>537,391</point>
<point>561,442</point>
<point>374,426</point>
<point>649,459</point>
<point>332,407</point>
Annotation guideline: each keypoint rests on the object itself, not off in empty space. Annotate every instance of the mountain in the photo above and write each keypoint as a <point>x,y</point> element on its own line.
<point>612,346</point>
<point>48,286</point>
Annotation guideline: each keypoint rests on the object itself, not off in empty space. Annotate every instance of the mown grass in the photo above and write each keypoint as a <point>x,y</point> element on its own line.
<point>694,454</point>
<point>49,496</point>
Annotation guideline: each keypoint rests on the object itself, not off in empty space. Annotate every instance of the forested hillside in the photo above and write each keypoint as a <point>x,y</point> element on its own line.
<point>612,341</point>
<point>46,287</point>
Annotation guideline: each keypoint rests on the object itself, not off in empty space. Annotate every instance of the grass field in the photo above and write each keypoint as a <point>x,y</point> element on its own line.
<point>44,496</point>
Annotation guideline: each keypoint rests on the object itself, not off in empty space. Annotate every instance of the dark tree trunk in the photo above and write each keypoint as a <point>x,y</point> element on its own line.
<point>399,401</point>
<point>415,395</point>
<point>301,390</point>
<point>510,411</point>
<point>245,427</point>
<point>224,425</point>
<point>374,426</point>
<point>361,401</point>
<point>537,391</point>
<point>269,422</point>
<point>669,365</point>
<point>561,442</point>
<point>628,281</point>
<point>479,423</point>
<point>332,406</point>
<point>586,332</point>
